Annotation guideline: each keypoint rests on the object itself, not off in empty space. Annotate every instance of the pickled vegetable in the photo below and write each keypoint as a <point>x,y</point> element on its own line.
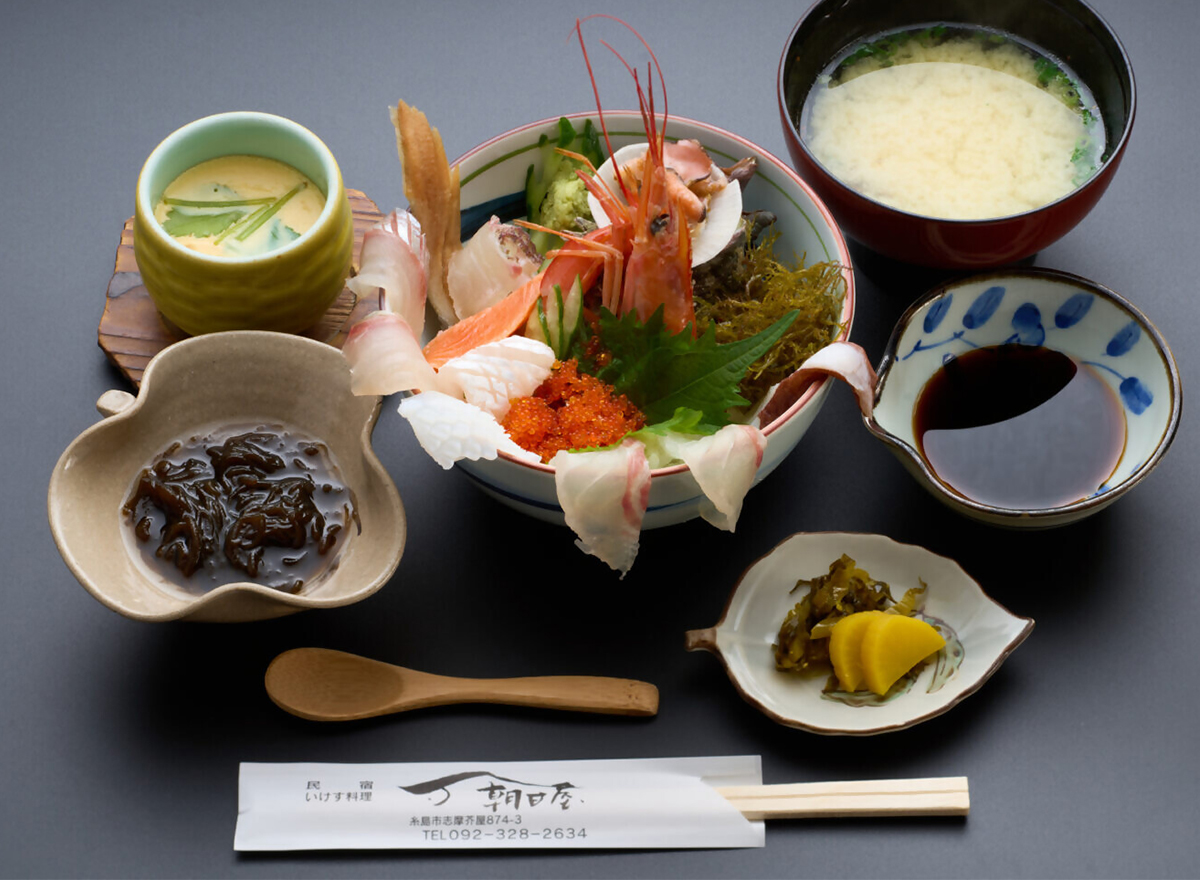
<point>849,621</point>
<point>803,642</point>
<point>845,648</point>
<point>891,646</point>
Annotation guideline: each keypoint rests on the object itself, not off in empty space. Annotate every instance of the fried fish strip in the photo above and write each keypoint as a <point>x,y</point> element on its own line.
<point>431,187</point>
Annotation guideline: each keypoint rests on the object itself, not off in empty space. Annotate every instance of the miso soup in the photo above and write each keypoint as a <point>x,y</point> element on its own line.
<point>954,122</point>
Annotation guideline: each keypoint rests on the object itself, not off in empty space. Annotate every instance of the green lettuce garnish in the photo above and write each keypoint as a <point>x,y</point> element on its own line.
<point>180,223</point>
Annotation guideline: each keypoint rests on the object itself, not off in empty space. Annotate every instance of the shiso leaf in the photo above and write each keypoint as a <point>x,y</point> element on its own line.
<point>661,372</point>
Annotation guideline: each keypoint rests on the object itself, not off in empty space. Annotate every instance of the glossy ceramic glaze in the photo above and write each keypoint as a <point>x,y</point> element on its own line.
<point>493,180</point>
<point>744,637</point>
<point>287,289</point>
<point>1068,29</point>
<point>1064,312</point>
<point>194,386</point>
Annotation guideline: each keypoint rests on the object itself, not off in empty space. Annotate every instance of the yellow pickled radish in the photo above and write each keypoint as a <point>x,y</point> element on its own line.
<point>845,648</point>
<point>894,644</point>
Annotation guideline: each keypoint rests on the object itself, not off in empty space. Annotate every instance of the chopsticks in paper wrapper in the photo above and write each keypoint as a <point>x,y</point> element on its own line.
<point>653,803</point>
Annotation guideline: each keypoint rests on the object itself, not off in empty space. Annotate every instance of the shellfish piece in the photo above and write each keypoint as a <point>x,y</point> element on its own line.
<point>689,160</point>
<point>394,258</point>
<point>492,374</point>
<point>431,187</point>
<point>604,496</point>
<point>385,356</point>
<point>892,645</point>
<point>450,429</point>
<point>496,260</point>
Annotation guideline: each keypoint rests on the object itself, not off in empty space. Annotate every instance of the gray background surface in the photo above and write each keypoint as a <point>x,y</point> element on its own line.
<point>119,742</point>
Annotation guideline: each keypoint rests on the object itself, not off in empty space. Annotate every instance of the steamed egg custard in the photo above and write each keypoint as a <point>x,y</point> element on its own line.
<point>239,206</point>
<point>954,123</point>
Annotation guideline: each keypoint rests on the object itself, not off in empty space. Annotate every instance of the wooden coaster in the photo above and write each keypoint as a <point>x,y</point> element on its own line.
<point>132,331</point>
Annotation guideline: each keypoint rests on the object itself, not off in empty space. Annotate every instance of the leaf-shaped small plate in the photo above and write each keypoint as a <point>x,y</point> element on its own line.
<point>983,634</point>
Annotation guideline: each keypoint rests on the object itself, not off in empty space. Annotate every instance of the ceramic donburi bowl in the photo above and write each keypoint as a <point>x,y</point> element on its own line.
<point>193,388</point>
<point>493,182</point>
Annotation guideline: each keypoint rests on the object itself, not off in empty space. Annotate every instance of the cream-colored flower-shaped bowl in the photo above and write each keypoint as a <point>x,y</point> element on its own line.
<point>981,634</point>
<point>195,387</point>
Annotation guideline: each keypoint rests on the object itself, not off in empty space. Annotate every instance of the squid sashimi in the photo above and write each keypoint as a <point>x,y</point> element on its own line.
<point>724,466</point>
<point>393,257</point>
<point>491,375</point>
<point>604,496</point>
<point>431,187</point>
<point>450,429</point>
<point>385,356</point>
<point>497,260</point>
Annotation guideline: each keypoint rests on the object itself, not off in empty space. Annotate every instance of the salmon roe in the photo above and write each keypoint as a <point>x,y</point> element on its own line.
<point>570,410</point>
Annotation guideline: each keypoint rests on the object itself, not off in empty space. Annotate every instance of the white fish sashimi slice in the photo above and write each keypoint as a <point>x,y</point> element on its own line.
<point>394,258</point>
<point>385,357</point>
<point>450,429</point>
<point>846,361</point>
<point>709,236</point>
<point>724,465</point>
<point>496,261</point>
<point>604,496</point>
<point>492,374</point>
<point>842,360</point>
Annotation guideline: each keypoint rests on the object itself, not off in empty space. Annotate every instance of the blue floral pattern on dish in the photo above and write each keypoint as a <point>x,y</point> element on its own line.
<point>937,312</point>
<point>1027,321</point>
<point>1028,329</point>
<point>1125,339</point>
<point>983,308</point>
<point>1073,310</point>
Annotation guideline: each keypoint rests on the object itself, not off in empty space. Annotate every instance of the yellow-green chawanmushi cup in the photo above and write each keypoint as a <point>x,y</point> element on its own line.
<point>287,288</point>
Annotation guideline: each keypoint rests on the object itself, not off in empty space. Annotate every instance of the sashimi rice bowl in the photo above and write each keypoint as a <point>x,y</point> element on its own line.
<point>613,346</point>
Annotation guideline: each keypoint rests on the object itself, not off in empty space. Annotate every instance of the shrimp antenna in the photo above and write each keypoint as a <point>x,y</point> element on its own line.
<point>599,109</point>
<point>655,136</point>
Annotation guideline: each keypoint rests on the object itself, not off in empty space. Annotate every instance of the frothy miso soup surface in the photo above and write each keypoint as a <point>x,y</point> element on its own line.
<point>237,206</point>
<point>971,127</point>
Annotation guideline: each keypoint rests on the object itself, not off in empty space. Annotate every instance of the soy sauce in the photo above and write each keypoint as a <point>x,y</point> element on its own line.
<point>1019,426</point>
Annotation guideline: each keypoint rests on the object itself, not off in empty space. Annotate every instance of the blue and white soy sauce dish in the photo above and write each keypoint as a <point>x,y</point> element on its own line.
<point>1124,391</point>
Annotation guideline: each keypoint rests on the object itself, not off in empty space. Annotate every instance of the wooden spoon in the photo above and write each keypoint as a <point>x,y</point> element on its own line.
<point>323,685</point>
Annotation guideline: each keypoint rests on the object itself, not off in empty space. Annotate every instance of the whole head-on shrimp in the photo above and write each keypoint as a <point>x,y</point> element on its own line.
<point>657,264</point>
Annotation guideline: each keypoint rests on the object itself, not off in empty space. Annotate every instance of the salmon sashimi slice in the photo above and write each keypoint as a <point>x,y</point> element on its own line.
<point>491,325</point>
